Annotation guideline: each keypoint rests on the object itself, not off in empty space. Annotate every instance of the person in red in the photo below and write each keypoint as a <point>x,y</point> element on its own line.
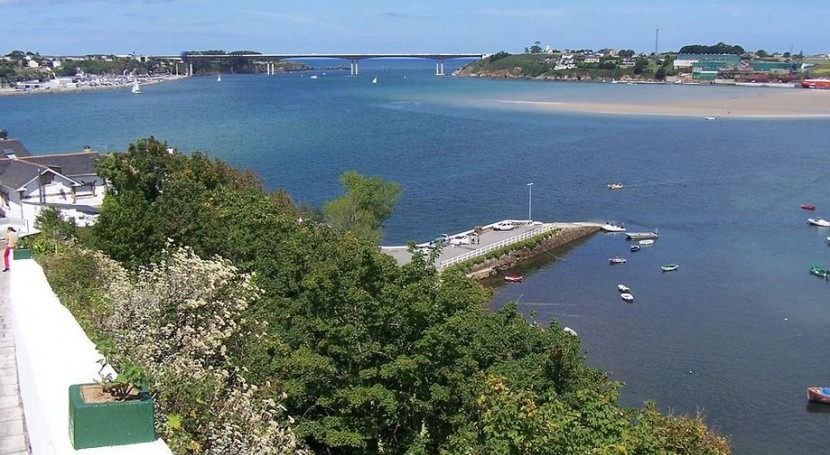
<point>11,242</point>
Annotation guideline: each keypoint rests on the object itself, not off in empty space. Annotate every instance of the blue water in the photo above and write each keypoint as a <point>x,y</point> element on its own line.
<point>742,313</point>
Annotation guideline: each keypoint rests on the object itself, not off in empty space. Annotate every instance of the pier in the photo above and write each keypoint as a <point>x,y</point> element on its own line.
<point>486,239</point>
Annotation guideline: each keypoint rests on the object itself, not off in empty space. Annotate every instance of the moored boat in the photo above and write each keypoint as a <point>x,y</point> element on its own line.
<point>627,296</point>
<point>646,242</point>
<point>819,271</point>
<point>623,288</point>
<point>609,227</point>
<point>818,222</point>
<point>808,206</point>
<point>669,267</point>
<point>570,331</point>
<point>513,278</point>
<point>642,235</point>
<point>635,248</point>
<point>815,83</point>
<point>818,394</point>
<point>615,186</point>
<point>616,260</point>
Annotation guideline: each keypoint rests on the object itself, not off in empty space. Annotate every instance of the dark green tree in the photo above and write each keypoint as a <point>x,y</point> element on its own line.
<point>366,204</point>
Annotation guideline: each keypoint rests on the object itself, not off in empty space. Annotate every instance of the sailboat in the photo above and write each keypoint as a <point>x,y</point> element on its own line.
<point>219,78</point>
<point>136,87</point>
<point>375,80</point>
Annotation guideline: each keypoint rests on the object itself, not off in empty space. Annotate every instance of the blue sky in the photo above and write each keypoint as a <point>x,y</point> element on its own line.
<point>66,27</point>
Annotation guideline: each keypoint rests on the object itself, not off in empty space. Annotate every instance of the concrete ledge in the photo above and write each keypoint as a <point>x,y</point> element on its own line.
<point>53,352</point>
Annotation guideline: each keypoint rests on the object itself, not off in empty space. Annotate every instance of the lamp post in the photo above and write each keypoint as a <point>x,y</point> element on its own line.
<point>529,201</point>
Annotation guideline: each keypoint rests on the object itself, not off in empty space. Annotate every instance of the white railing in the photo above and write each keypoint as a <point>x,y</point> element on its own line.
<point>492,247</point>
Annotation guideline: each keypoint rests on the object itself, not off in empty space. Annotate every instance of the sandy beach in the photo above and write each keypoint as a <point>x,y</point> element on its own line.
<point>777,103</point>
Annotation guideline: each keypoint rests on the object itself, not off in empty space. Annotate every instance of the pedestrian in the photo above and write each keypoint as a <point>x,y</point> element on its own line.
<point>11,242</point>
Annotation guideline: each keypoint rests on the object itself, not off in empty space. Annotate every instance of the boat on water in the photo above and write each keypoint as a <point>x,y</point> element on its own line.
<point>635,248</point>
<point>816,83</point>
<point>616,260</point>
<point>375,80</point>
<point>615,186</point>
<point>818,222</point>
<point>819,271</point>
<point>313,76</point>
<point>669,267</point>
<point>136,87</point>
<point>646,242</point>
<point>609,227</point>
<point>627,296</point>
<point>570,331</point>
<point>709,117</point>
<point>642,235</point>
<point>219,78</point>
<point>623,288</point>
<point>808,206</point>
<point>818,394</point>
<point>513,278</point>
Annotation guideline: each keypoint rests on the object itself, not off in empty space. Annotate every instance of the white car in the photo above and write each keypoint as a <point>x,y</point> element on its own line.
<point>504,226</point>
<point>461,240</point>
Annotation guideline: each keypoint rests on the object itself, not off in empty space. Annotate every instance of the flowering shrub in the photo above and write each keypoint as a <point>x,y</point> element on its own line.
<point>177,319</point>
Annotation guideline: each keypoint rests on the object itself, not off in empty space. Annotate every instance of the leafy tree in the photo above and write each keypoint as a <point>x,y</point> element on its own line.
<point>367,203</point>
<point>626,53</point>
<point>536,48</point>
<point>720,48</point>
<point>760,53</point>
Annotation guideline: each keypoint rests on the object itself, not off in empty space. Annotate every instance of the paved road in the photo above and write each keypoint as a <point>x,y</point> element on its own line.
<point>12,426</point>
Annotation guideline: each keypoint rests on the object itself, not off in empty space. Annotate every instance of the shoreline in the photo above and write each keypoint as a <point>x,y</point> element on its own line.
<point>800,103</point>
<point>87,88</point>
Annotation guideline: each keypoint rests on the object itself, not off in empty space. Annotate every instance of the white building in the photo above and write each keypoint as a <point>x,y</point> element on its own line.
<point>28,184</point>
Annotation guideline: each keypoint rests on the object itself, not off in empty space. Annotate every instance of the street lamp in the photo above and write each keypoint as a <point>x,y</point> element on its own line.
<point>529,201</point>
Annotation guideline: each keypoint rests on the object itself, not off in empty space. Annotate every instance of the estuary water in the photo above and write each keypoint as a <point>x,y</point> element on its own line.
<point>738,332</point>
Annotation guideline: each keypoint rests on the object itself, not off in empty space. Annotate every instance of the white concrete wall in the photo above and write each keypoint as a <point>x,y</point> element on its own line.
<point>53,352</point>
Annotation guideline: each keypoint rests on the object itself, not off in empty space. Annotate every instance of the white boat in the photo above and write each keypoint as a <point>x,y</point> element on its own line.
<point>623,288</point>
<point>615,186</point>
<point>818,222</point>
<point>616,260</point>
<point>570,331</point>
<point>219,78</point>
<point>646,242</point>
<point>375,80</point>
<point>608,227</point>
<point>313,76</point>
<point>627,296</point>
<point>642,235</point>
<point>136,88</point>
<point>710,118</point>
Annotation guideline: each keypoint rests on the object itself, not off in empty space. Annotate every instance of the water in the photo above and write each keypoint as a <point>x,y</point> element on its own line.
<point>742,313</point>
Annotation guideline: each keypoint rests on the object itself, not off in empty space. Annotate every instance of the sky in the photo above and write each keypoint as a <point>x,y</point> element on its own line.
<point>169,27</point>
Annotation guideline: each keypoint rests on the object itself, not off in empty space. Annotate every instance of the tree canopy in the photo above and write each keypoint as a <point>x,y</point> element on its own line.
<point>720,48</point>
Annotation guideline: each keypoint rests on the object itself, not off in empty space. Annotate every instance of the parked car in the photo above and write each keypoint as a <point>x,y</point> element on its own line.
<point>461,240</point>
<point>504,226</point>
<point>441,240</point>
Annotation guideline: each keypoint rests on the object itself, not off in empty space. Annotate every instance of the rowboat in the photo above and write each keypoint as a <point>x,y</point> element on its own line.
<point>819,271</point>
<point>818,222</point>
<point>635,248</point>
<point>808,206</point>
<point>513,278</point>
<point>628,297</point>
<point>616,260</point>
<point>818,394</point>
<point>669,267</point>
<point>623,288</point>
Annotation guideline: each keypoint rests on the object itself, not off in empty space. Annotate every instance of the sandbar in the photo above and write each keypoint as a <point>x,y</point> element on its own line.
<point>776,103</point>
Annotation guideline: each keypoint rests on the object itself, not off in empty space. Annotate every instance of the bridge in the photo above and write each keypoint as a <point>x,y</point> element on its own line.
<point>271,59</point>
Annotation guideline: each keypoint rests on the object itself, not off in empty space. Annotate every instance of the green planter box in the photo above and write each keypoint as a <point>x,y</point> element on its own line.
<point>109,424</point>
<point>22,253</point>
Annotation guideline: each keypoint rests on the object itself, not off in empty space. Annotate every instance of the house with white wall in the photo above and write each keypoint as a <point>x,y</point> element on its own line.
<point>29,183</point>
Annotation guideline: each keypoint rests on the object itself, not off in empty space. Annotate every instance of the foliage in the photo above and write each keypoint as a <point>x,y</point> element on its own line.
<point>367,203</point>
<point>720,48</point>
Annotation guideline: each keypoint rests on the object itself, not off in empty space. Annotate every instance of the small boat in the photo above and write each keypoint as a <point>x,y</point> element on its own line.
<point>808,206</point>
<point>313,76</point>
<point>570,331</point>
<point>709,117</point>
<point>616,260</point>
<point>513,278</point>
<point>642,235</point>
<point>819,271</point>
<point>818,394</point>
<point>627,296</point>
<point>375,80</point>
<point>818,222</point>
<point>635,248</point>
<point>646,242</point>
<point>669,267</point>
<point>219,78</point>
<point>623,288</point>
<point>615,186</point>
<point>608,227</point>
<point>136,88</point>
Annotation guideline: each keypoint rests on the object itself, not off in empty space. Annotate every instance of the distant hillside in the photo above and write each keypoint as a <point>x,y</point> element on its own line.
<point>567,66</point>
